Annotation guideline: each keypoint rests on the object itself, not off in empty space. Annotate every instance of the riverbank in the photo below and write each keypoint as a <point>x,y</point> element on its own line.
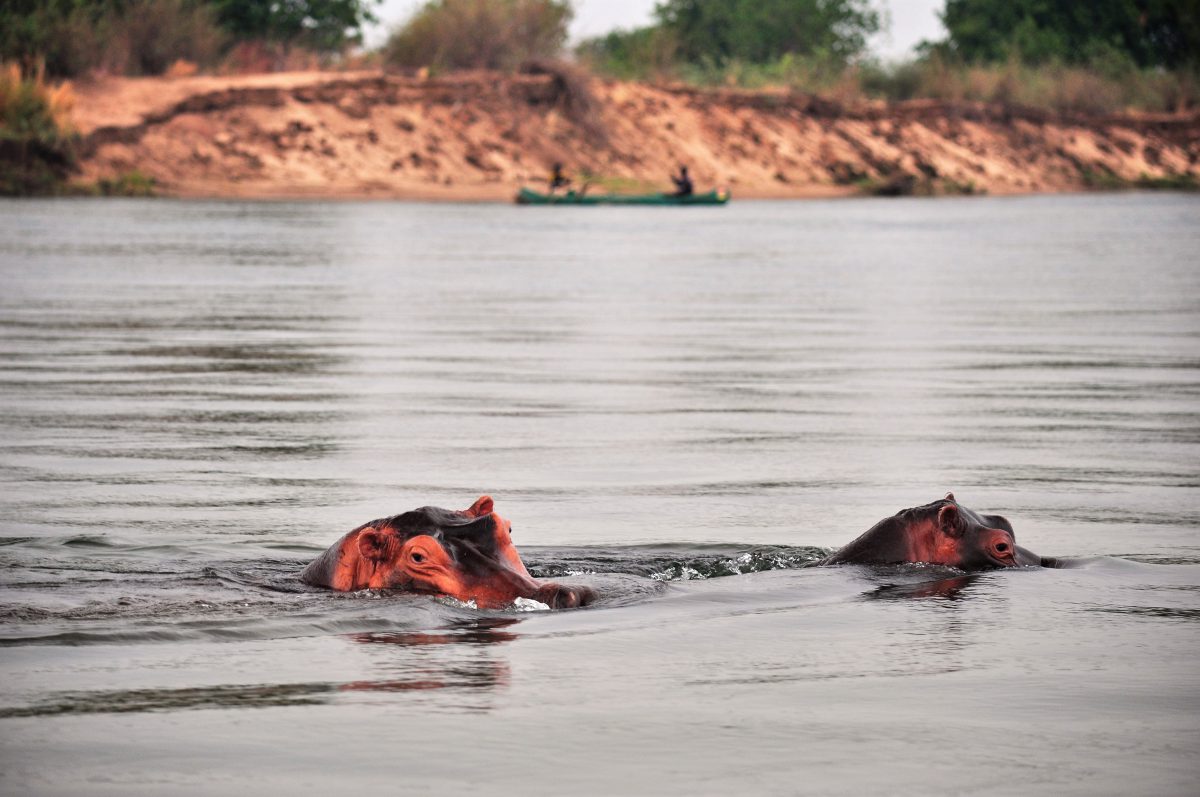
<point>478,136</point>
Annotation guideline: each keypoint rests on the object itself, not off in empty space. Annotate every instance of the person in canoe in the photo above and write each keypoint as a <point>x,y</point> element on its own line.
<point>558,178</point>
<point>683,183</point>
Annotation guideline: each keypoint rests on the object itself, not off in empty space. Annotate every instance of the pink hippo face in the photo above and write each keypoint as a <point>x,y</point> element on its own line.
<point>944,533</point>
<point>466,555</point>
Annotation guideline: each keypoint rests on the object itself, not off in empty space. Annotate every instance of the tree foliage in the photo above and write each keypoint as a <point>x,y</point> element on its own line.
<point>52,32</point>
<point>1148,32</point>
<point>480,34</point>
<point>320,25</point>
<point>70,37</point>
<point>630,54</point>
<point>146,36</point>
<point>759,31</point>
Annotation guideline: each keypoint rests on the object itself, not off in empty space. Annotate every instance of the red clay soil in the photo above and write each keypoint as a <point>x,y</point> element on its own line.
<point>478,136</point>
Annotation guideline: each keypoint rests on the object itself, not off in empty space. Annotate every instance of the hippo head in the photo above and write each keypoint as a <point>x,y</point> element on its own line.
<point>965,539</point>
<point>943,532</point>
<point>467,555</point>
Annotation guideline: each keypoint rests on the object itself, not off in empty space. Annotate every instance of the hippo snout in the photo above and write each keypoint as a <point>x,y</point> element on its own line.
<point>559,596</point>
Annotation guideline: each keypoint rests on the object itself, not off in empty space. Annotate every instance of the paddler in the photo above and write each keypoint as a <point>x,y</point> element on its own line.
<point>683,183</point>
<point>558,179</point>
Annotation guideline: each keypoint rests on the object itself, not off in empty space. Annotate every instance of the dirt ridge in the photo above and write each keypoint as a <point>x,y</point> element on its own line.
<point>480,135</point>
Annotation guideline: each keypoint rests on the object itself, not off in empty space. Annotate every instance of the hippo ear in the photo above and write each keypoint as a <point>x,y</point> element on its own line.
<point>950,497</point>
<point>481,508</point>
<point>950,521</point>
<point>372,544</point>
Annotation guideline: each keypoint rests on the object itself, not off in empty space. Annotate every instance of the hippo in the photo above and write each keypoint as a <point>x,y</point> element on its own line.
<point>466,555</point>
<point>944,533</point>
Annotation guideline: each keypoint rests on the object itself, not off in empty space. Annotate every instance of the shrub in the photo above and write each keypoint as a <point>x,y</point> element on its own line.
<point>30,107</point>
<point>1155,33</point>
<point>1103,88</point>
<point>319,26</point>
<point>150,35</point>
<point>480,34</point>
<point>572,91</point>
<point>642,54</point>
<point>139,37</point>
<point>761,31</point>
<point>129,184</point>
<point>63,38</point>
<point>36,143</point>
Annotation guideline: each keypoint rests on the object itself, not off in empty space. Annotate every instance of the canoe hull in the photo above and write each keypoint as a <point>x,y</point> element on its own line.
<point>527,196</point>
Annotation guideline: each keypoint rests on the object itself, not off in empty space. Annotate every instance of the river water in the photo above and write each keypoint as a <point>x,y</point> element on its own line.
<point>199,397</point>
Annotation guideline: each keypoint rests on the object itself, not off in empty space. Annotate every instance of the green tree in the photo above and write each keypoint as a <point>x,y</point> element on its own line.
<point>630,54</point>
<point>58,33</point>
<point>321,25</point>
<point>760,31</point>
<point>71,37</point>
<point>1148,32</point>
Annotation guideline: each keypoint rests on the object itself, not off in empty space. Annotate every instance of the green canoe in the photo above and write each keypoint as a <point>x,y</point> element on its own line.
<point>530,197</point>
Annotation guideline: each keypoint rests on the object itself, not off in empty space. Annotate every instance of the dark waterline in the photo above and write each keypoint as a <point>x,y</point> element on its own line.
<point>681,408</point>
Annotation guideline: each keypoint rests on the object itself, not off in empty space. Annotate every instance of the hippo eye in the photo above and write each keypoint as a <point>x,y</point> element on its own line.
<point>418,557</point>
<point>1002,547</point>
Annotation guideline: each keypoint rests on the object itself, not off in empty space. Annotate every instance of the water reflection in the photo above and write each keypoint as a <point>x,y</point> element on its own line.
<point>486,631</point>
<point>942,620</point>
<point>123,701</point>
<point>461,656</point>
<point>949,589</point>
<point>1159,612</point>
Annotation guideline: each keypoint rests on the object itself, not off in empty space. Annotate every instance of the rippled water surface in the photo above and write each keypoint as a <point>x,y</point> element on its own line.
<point>679,407</point>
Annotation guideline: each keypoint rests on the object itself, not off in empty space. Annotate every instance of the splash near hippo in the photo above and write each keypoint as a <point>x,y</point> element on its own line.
<point>943,532</point>
<point>466,555</point>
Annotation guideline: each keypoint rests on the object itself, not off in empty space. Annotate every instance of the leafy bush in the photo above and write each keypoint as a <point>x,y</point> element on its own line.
<point>641,54</point>
<point>66,38</point>
<point>322,26</point>
<point>145,37</point>
<point>36,151</point>
<point>32,108</point>
<point>129,184</point>
<point>814,74</point>
<point>480,34</point>
<point>1054,86</point>
<point>572,92</point>
<point>1148,32</point>
<point>739,42</point>
<point>761,31</point>
<point>138,37</point>
<point>153,34</point>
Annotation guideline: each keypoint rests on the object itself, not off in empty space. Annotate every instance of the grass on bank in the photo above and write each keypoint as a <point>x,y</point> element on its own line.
<point>36,141</point>
<point>1107,181</point>
<point>1106,86</point>
<point>31,106</point>
<point>1099,88</point>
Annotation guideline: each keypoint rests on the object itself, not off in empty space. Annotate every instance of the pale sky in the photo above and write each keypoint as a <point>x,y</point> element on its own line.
<point>911,21</point>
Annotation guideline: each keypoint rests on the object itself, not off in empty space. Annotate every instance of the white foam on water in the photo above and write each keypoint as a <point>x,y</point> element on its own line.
<point>455,602</point>
<point>529,605</point>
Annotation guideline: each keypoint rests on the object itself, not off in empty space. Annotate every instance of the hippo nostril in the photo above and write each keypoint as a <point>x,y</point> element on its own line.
<point>557,596</point>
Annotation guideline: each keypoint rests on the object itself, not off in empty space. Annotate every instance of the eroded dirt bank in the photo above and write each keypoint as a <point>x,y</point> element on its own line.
<point>480,136</point>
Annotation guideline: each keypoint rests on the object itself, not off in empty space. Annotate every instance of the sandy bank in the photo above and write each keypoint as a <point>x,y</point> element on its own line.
<point>478,136</point>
